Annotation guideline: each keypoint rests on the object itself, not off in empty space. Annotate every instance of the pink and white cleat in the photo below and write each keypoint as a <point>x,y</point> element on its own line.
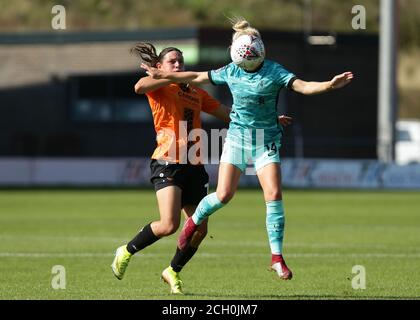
<point>279,266</point>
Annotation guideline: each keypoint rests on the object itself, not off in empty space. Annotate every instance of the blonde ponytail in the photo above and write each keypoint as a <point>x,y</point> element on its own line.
<point>241,27</point>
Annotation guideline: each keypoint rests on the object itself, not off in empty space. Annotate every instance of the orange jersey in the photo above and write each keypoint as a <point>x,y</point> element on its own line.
<point>176,111</point>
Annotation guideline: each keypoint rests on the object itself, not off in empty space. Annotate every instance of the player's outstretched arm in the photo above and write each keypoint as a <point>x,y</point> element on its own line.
<point>147,84</point>
<point>313,87</point>
<point>179,77</point>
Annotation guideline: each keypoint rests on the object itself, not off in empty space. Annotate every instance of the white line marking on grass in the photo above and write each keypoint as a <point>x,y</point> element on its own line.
<point>208,255</point>
<point>209,242</point>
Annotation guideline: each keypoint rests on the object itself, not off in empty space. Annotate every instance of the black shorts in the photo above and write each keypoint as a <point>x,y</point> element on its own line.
<point>193,180</point>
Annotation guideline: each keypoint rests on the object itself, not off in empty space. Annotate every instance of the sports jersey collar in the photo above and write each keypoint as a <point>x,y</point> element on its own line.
<point>189,89</point>
<point>182,86</point>
<point>256,70</point>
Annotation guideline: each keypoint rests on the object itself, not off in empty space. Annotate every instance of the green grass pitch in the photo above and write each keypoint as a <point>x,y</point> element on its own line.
<point>327,233</point>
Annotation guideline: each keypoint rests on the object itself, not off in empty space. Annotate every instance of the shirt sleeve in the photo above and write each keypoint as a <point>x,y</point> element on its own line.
<point>284,77</point>
<point>155,94</point>
<point>209,104</point>
<point>219,76</point>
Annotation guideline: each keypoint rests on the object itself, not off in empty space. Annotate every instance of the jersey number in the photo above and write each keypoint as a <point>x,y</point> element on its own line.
<point>271,150</point>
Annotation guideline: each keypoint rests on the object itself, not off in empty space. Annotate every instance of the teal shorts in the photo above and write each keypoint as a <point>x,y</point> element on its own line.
<point>239,154</point>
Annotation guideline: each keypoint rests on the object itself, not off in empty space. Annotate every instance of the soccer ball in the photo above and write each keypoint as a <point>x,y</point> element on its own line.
<point>247,52</point>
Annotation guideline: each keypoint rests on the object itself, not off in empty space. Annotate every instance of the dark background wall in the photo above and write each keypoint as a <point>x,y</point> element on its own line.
<point>48,120</point>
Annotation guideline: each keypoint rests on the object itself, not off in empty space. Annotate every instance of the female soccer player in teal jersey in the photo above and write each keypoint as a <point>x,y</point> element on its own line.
<point>254,111</point>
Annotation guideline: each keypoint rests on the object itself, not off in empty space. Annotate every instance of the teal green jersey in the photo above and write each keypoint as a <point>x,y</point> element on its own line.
<point>255,96</point>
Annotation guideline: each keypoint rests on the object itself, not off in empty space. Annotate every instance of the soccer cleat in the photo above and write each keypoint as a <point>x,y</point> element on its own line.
<point>281,269</point>
<point>120,263</point>
<point>186,233</point>
<point>172,278</point>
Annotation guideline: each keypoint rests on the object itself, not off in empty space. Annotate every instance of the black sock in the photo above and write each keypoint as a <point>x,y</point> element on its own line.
<point>143,239</point>
<point>182,257</point>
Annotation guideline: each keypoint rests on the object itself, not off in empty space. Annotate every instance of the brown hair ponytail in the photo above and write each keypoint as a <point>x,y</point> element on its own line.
<point>147,53</point>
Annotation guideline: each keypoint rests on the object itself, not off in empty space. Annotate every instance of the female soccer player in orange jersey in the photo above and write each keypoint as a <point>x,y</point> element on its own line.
<point>179,184</point>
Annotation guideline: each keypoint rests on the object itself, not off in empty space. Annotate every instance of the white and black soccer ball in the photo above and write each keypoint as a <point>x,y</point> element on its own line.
<point>247,52</point>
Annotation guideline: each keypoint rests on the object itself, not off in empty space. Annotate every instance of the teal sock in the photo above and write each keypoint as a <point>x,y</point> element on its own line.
<point>206,207</point>
<point>275,225</point>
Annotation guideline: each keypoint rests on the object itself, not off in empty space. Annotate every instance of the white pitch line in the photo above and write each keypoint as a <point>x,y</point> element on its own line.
<point>208,242</point>
<point>209,255</point>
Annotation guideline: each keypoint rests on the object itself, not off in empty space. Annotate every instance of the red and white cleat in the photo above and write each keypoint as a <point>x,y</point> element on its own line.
<point>281,269</point>
<point>186,234</point>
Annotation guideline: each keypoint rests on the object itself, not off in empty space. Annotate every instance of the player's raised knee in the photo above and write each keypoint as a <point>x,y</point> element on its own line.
<point>225,195</point>
<point>168,228</point>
